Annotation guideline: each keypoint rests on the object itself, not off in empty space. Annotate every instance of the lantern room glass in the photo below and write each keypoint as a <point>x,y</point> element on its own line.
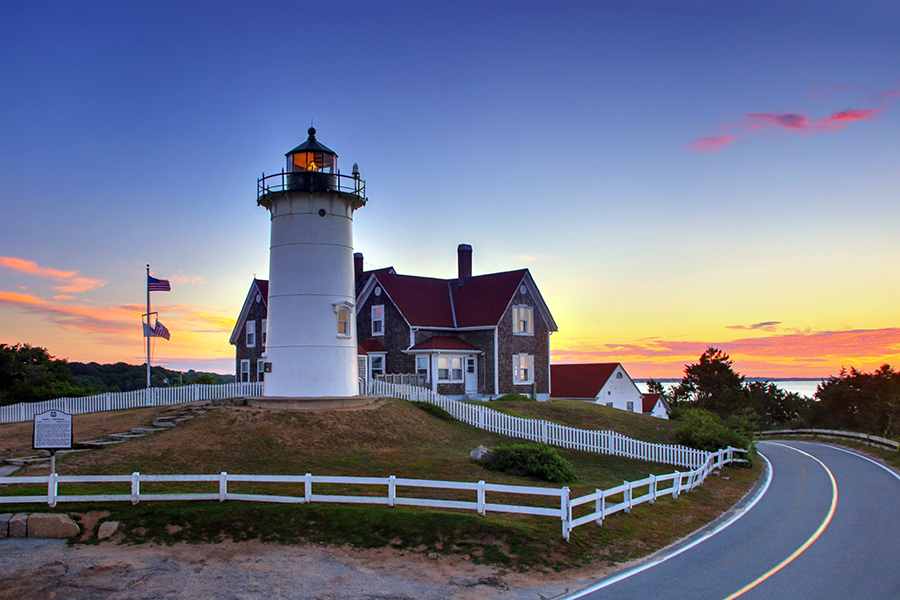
<point>310,161</point>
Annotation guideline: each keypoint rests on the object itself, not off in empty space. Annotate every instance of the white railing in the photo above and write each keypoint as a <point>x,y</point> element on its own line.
<point>605,502</point>
<point>851,435</point>
<point>158,396</point>
<point>546,432</point>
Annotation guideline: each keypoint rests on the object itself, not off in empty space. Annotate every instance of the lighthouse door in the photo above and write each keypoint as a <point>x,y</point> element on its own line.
<point>471,376</point>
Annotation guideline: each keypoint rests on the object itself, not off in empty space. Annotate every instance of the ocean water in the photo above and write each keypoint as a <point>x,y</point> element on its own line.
<point>803,387</point>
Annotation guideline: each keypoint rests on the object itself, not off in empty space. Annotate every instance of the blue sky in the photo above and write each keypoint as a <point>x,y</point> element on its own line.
<point>675,174</point>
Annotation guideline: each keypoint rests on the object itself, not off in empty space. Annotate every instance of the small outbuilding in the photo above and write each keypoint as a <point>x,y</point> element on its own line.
<point>601,383</point>
<point>656,406</point>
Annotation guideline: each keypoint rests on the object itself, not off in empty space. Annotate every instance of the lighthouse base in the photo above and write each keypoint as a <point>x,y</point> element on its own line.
<point>310,404</point>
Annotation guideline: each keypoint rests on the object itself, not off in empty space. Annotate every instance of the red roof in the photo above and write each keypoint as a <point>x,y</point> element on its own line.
<point>372,345</point>
<point>428,302</point>
<point>650,401</point>
<point>445,342</point>
<point>580,380</point>
<point>263,285</point>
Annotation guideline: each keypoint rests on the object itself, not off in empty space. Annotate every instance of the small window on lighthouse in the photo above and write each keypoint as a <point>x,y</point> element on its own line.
<point>343,323</point>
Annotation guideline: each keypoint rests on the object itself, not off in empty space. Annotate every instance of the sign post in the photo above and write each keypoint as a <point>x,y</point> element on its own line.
<point>53,431</point>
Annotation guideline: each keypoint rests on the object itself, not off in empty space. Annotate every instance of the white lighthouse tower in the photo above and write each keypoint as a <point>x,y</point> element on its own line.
<point>311,323</point>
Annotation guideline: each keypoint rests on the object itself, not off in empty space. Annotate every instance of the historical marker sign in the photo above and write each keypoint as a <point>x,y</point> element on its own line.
<point>53,430</point>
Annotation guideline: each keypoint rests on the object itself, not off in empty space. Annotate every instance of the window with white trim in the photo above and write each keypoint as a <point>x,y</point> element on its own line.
<point>245,370</point>
<point>523,368</point>
<point>376,364</point>
<point>251,334</point>
<point>629,406</point>
<point>450,368</point>
<point>261,369</point>
<point>422,365</point>
<point>263,333</point>
<point>378,319</point>
<point>618,376</point>
<point>343,322</point>
<point>523,320</point>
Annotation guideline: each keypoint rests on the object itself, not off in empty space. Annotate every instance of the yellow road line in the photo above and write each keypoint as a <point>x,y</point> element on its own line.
<point>809,542</point>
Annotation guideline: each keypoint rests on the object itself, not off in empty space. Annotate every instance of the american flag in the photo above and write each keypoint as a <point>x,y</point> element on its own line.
<point>157,285</point>
<point>160,330</point>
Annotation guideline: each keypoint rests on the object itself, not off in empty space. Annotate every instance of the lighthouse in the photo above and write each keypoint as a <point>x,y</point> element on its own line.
<point>310,341</point>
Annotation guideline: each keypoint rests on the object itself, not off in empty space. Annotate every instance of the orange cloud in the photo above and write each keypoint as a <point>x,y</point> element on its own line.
<point>72,283</point>
<point>815,355</point>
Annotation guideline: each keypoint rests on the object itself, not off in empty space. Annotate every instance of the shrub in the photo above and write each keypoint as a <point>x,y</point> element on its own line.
<point>434,410</point>
<point>530,460</point>
<point>705,430</point>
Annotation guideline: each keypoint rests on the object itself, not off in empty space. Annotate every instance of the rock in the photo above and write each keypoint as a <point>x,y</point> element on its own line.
<point>107,529</point>
<point>478,453</point>
<point>51,525</point>
<point>18,525</point>
<point>463,581</point>
<point>4,524</point>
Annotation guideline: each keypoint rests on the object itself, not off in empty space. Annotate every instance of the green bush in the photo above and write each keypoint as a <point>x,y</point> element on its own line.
<point>531,460</point>
<point>434,410</point>
<point>705,430</point>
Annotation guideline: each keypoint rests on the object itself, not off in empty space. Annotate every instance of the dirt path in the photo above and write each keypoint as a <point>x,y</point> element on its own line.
<point>49,569</point>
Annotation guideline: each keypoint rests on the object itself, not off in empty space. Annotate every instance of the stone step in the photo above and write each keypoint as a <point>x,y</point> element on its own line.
<point>98,443</point>
<point>125,436</point>
<point>147,430</point>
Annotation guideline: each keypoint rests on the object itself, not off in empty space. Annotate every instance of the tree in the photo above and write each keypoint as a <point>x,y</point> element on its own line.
<point>29,374</point>
<point>773,405</point>
<point>860,401</point>
<point>712,384</point>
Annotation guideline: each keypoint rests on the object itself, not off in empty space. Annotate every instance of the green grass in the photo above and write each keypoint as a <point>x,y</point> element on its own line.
<point>396,439</point>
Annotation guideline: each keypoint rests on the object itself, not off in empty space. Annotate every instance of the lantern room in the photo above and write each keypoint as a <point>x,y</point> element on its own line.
<point>311,156</point>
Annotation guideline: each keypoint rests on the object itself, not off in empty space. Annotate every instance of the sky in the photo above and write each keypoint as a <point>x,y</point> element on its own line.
<point>675,174</point>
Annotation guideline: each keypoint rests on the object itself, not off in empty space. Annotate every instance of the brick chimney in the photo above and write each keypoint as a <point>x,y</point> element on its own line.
<point>464,252</point>
<point>357,265</point>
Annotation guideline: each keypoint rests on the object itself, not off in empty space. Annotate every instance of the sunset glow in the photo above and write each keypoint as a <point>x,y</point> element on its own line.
<point>674,175</point>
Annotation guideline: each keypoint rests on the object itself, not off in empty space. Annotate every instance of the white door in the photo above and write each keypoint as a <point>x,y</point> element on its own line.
<point>471,375</point>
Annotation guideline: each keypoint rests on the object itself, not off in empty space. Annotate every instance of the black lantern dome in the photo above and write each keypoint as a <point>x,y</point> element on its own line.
<point>311,156</point>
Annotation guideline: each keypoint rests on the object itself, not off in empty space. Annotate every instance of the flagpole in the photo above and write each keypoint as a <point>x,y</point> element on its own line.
<point>146,332</point>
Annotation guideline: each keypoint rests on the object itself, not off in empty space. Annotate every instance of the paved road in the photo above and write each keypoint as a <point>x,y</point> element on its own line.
<point>827,527</point>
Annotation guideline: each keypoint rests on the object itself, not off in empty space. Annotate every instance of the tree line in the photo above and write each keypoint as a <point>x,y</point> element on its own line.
<point>30,374</point>
<point>853,400</point>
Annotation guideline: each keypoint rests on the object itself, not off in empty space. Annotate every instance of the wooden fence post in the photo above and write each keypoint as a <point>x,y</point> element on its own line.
<point>52,488</point>
<point>307,488</point>
<point>135,487</point>
<point>223,486</point>
<point>481,497</point>
<point>566,510</point>
<point>392,490</point>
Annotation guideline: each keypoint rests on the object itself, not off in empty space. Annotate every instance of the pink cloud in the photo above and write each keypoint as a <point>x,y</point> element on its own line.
<point>70,280</point>
<point>796,122</point>
<point>817,354</point>
<point>711,143</point>
<point>784,120</point>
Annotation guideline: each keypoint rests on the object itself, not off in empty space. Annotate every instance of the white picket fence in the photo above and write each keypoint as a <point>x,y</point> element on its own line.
<point>546,432</point>
<point>157,396</point>
<point>605,502</point>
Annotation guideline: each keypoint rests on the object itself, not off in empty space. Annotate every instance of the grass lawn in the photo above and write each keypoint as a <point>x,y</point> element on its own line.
<point>394,439</point>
